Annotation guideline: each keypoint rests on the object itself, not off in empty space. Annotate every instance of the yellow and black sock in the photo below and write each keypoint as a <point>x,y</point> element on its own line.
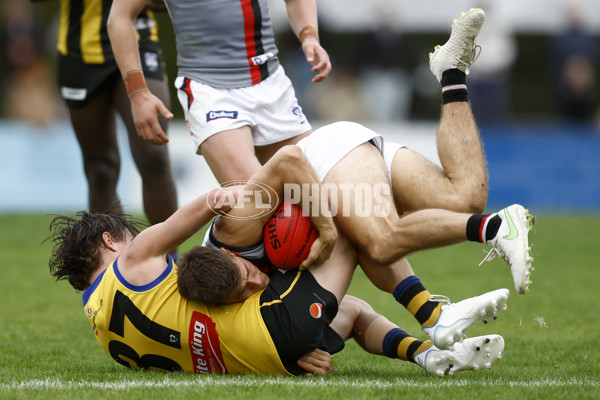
<point>399,344</point>
<point>415,298</point>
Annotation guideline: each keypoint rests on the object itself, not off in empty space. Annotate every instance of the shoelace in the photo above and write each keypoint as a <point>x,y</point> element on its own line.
<point>473,56</point>
<point>440,298</point>
<point>493,253</point>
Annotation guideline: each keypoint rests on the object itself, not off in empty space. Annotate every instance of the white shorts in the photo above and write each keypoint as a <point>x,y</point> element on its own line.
<point>270,108</point>
<point>326,146</point>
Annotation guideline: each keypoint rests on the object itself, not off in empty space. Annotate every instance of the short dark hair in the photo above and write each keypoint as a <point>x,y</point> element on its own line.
<point>77,241</point>
<point>207,275</point>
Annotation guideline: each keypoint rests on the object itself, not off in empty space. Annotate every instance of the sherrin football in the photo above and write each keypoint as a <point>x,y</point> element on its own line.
<point>288,236</point>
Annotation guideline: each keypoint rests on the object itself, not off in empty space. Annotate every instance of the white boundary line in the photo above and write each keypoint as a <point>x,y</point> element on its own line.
<point>277,381</point>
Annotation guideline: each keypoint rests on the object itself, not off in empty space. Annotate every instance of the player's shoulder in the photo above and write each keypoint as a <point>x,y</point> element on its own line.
<point>141,271</point>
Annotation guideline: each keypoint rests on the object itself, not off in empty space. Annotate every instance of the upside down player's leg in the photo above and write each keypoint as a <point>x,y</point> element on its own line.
<point>370,220</point>
<point>462,184</point>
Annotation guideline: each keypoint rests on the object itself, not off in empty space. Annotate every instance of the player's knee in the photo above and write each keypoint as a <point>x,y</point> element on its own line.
<point>471,202</point>
<point>358,304</point>
<point>478,207</point>
<point>379,248</point>
<point>102,175</point>
<point>154,167</point>
<point>289,155</point>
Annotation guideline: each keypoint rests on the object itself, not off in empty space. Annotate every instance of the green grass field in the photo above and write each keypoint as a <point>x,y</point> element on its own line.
<point>48,350</point>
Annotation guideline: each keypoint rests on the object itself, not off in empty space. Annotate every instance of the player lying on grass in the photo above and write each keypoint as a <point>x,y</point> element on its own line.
<point>138,315</point>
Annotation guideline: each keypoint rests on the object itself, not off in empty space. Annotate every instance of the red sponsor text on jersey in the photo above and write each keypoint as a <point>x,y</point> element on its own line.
<point>205,346</point>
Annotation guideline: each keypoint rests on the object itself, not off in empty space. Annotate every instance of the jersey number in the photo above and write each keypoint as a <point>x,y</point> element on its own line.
<point>123,306</point>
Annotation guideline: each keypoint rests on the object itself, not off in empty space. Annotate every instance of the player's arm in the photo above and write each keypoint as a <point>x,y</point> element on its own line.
<point>289,167</point>
<point>145,259</point>
<point>145,107</point>
<point>302,15</point>
<point>158,239</point>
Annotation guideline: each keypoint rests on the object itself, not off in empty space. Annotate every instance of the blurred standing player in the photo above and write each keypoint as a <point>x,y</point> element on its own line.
<point>91,86</point>
<point>238,103</point>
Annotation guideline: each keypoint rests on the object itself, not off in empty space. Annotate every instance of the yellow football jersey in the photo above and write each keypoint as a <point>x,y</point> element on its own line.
<point>152,326</point>
<point>82,31</point>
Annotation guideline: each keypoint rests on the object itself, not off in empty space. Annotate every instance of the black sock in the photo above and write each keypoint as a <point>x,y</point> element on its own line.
<point>481,228</point>
<point>454,86</point>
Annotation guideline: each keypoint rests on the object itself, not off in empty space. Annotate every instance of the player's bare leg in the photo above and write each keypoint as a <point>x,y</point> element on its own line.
<point>377,335</point>
<point>382,236</point>
<point>462,182</point>
<point>230,155</point>
<point>264,153</point>
<point>95,128</point>
<point>336,273</point>
<point>159,192</point>
<point>386,237</point>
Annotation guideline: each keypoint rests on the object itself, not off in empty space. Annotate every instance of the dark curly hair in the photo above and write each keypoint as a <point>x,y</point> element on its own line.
<point>207,275</point>
<point>77,241</point>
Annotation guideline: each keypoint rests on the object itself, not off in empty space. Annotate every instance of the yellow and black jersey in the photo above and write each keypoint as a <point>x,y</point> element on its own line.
<point>82,32</point>
<point>152,326</point>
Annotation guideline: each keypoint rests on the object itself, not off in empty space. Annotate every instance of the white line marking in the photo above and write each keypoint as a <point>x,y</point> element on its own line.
<point>292,382</point>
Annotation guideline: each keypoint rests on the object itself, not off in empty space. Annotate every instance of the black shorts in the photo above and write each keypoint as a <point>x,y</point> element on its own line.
<point>80,82</point>
<point>297,312</point>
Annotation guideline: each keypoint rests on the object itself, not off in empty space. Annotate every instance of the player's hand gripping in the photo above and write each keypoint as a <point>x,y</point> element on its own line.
<point>317,362</point>
<point>317,57</point>
<point>322,247</point>
<point>146,108</point>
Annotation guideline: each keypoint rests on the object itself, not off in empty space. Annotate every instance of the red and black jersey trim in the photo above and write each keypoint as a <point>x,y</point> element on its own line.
<point>251,11</point>
<point>185,86</point>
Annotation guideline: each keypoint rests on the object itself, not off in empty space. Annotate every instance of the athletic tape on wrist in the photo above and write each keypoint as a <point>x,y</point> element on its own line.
<point>307,31</point>
<point>135,82</point>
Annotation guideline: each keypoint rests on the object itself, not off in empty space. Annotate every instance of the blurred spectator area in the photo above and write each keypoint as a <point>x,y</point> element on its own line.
<point>366,73</point>
<point>27,76</point>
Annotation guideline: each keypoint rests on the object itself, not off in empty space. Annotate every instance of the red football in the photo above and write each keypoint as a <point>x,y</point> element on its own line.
<point>288,237</point>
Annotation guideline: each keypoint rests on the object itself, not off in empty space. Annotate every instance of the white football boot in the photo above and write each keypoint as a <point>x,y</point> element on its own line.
<point>456,318</point>
<point>473,353</point>
<point>511,243</point>
<point>460,51</point>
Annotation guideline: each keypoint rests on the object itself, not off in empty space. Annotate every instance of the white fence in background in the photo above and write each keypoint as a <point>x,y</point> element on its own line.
<point>42,168</point>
